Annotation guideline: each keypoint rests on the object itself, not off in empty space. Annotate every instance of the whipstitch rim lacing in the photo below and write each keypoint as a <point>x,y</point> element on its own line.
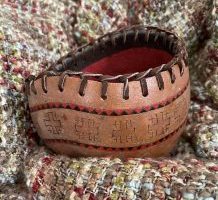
<point>180,59</point>
<point>120,112</point>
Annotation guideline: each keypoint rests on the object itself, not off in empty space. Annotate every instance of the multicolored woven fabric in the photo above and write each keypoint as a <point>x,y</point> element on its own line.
<point>35,33</point>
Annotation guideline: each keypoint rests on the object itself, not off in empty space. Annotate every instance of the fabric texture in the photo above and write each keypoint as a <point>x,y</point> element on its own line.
<point>35,33</point>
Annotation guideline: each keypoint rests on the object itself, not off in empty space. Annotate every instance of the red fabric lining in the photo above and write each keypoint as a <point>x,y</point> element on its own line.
<point>130,61</point>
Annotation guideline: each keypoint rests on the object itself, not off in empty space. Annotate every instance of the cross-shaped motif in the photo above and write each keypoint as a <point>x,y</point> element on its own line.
<point>118,127</point>
<point>52,123</point>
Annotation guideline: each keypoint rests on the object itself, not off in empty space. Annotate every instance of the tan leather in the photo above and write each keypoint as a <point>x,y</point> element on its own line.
<point>127,115</point>
<point>130,130</point>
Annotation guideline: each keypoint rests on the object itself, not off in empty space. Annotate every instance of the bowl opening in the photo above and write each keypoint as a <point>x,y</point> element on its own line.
<point>123,53</point>
<point>128,61</point>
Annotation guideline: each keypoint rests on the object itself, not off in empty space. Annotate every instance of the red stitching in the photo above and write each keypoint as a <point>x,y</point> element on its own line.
<point>102,148</point>
<point>116,112</point>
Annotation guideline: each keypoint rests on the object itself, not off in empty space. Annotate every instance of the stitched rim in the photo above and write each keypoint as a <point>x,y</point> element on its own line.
<point>169,40</point>
<point>115,112</point>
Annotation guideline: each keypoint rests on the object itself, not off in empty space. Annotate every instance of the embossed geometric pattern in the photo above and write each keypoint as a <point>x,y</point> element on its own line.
<point>103,148</point>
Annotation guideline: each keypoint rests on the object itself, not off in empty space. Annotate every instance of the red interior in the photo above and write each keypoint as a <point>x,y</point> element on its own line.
<point>130,61</point>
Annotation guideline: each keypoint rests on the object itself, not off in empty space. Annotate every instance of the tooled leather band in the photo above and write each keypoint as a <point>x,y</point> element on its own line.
<point>70,64</point>
<point>103,148</point>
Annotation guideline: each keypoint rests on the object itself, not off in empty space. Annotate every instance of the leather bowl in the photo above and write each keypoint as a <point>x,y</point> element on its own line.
<point>124,95</point>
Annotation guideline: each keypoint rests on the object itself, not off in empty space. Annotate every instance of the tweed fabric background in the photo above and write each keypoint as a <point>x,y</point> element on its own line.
<point>35,33</point>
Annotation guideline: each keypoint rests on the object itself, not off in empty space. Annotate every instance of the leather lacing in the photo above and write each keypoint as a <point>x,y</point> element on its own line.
<point>174,45</point>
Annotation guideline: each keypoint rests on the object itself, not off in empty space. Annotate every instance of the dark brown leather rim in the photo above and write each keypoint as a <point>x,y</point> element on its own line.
<point>103,148</point>
<point>175,45</point>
